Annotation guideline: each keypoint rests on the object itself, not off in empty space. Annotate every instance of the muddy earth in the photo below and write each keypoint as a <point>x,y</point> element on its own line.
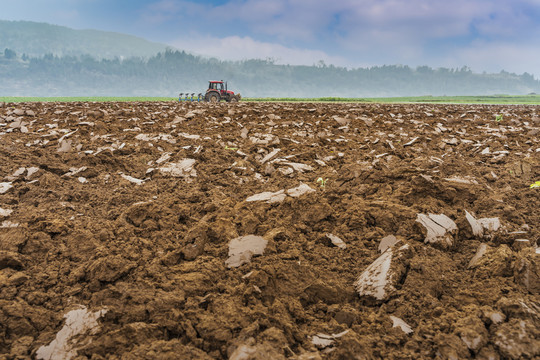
<point>166,230</point>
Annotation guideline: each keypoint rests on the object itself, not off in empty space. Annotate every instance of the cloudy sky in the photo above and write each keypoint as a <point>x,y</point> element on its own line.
<point>486,35</point>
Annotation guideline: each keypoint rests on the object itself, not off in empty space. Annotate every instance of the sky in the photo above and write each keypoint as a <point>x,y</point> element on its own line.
<point>485,35</point>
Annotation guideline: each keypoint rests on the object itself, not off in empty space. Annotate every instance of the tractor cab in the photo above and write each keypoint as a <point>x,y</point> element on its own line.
<point>217,85</point>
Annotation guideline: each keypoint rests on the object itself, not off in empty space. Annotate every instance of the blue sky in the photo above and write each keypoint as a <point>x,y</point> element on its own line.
<point>486,35</point>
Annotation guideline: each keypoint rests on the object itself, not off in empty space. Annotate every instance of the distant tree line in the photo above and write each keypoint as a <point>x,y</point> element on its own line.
<point>170,72</point>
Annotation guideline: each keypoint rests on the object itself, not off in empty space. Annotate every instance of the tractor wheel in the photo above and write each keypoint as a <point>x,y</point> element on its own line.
<point>213,98</point>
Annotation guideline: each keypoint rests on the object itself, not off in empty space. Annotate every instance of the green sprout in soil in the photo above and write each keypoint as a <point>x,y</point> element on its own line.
<point>230,148</point>
<point>535,185</point>
<point>498,118</point>
<point>322,181</point>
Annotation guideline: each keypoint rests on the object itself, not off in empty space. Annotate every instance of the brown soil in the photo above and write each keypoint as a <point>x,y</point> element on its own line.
<point>154,255</point>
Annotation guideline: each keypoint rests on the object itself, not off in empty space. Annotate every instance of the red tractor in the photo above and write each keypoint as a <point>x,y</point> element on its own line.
<point>217,91</point>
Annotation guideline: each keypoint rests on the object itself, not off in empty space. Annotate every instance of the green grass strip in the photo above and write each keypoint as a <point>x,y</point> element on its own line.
<point>491,99</point>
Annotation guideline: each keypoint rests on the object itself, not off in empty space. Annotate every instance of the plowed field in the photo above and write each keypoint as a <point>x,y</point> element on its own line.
<point>361,231</point>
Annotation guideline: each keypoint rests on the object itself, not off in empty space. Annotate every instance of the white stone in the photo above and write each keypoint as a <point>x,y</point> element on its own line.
<point>64,346</point>
<point>477,228</point>
<point>397,322</point>
<point>336,241</point>
<point>166,156</point>
<point>143,137</point>
<point>278,196</point>
<point>270,155</point>
<point>183,168</point>
<point>5,212</point>
<point>286,171</point>
<point>242,248</point>
<point>482,227</point>
<point>380,278</point>
<point>411,142</point>
<point>462,180</point>
<point>4,187</point>
<point>490,224</point>
<point>439,228</point>
<point>373,280</point>
<point>387,242</point>
<point>269,197</point>
<point>299,167</point>
<point>324,340</point>
<point>74,171</point>
<point>64,146</point>
<point>16,174</point>
<point>31,171</point>
<point>9,224</point>
<point>300,190</point>
<point>189,136</point>
<point>132,179</point>
<point>479,253</point>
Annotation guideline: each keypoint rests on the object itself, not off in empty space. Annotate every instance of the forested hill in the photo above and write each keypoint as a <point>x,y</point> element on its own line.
<point>171,72</point>
<point>38,39</point>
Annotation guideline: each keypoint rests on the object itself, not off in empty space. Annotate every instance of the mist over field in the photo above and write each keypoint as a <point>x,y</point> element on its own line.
<point>46,60</point>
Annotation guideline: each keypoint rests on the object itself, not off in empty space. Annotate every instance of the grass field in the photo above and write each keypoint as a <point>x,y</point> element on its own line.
<point>492,99</point>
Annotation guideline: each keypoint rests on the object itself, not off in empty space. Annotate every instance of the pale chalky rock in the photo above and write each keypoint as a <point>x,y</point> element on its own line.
<point>183,168</point>
<point>279,196</point>
<point>64,146</point>
<point>336,241</point>
<point>299,190</point>
<point>484,227</point>
<point>31,171</point>
<point>5,186</point>
<point>490,224</point>
<point>476,227</point>
<point>379,280</point>
<point>479,253</point>
<point>270,155</point>
<point>397,322</point>
<point>16,174</point>
<point>298,166</point>
<point>5,212</point>
<point>322,341</point>
<point>386,242</point>
<point>439,229</point>
<point>132,179</point>
<point>8,224</point>
<point>268,196</point>
<point>242,248</point>
<point>65,345</point>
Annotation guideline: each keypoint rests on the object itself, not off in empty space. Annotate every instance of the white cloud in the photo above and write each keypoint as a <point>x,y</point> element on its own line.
<point>494,57</point>
<point>243,48</point>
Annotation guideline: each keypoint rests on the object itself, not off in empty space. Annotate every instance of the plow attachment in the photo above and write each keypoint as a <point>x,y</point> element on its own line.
<point>190,97</point>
